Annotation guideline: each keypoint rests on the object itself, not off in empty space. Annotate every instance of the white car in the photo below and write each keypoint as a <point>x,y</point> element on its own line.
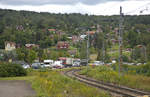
<point>46,65</point>
<point>25,66</point>
<point>76,64</point>
<point>97,63</point>
<point>139,64</point>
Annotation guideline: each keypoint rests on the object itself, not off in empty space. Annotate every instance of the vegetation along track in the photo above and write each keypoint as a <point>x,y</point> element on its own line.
<point>115,89</point>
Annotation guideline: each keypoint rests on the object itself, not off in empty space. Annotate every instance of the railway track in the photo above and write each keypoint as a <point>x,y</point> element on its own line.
<point>116,90</point>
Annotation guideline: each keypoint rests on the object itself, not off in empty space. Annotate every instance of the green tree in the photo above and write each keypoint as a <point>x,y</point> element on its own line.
<point>32,55</point>
<point>20,54</point>
<point>83,51</point>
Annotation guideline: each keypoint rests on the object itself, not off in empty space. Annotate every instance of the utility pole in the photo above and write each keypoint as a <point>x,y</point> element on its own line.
<point>120,40</point>
<point>87,58</point>
<point>103,52</point>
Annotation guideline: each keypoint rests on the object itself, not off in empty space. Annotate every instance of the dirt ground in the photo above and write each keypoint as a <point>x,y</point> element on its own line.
<point>16,89</point>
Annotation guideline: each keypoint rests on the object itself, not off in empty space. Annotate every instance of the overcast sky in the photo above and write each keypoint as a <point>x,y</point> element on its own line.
<point>92,7</point>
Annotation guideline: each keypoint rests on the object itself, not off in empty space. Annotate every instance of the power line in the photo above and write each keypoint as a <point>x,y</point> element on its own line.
<point>144,10</point>
<point>139,9</point>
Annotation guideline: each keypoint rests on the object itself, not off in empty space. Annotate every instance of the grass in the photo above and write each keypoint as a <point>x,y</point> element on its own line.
<point>107,74</point>
<point>18,78</point>
<point>116,54</point>
<point>51,83</point>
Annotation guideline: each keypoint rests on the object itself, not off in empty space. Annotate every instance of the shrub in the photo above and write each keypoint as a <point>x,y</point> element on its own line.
<point>144,69</point>
<point>11,70</point>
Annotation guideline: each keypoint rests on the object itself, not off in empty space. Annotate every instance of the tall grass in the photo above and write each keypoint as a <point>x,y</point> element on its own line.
<point>51,83</point>
<point>54,84</point>
<point>107,74</point>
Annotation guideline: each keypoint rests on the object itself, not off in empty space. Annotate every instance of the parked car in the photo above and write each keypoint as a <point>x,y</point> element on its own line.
<point>48,63</point>
<point>22,63</point>
<point>126,63</point>
<point>76,62</point>
<point>108,64</point>
<point>36,65</point>
<point>83,62</point>
<point>43,65</point>
<point>139,64</point>
<point>97,63</point>
<point>26,66</point>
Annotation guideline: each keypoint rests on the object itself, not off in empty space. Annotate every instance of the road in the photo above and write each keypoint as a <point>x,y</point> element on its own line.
<point>16,88</point>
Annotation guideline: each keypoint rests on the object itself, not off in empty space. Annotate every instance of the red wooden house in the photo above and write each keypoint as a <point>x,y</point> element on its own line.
<point>62,45</point>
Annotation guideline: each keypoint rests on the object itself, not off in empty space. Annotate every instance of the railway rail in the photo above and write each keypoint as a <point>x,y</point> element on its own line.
<point>119,91</point>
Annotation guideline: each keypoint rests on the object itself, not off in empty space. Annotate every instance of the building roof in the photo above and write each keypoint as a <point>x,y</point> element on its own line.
<point>31,45</point>
<point>62,45</point>
<point>11,43</point>
<point>74,37</point>
<point>62,42</point>
<point>62,58</point>
<point>83,36</point>
<point>51,29</point>
<point>90,32</point>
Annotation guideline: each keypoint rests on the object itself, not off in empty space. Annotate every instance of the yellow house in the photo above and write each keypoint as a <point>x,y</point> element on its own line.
<point>9,46</point>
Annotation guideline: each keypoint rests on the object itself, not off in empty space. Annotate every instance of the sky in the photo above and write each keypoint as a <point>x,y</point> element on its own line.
<point>91,7</point>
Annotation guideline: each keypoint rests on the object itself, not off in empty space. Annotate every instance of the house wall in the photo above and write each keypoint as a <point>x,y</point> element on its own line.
<point>10,47</point>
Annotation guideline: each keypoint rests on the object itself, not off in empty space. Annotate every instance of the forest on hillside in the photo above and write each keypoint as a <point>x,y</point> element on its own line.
<point>34,25</point>
<point>24,27</point>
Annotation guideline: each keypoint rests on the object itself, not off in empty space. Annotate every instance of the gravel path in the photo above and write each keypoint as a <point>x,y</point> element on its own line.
<point>16,88</point>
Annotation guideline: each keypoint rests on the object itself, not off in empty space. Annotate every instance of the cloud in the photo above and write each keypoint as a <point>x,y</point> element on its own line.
<point>59,2</point>
<point>130,7</point>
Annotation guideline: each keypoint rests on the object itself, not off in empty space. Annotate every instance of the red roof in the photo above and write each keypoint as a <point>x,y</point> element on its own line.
<point>90,32</point>
<point>62,58</point>
<point>51,29</point>
<point>62,45</point>
<point>11,43</point>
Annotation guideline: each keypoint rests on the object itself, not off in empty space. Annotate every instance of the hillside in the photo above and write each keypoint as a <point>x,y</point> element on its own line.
<point>45,29</point>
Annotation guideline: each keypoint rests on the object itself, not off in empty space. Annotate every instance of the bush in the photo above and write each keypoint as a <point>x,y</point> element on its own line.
<point>144,69</point>
<point>11,70</point>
